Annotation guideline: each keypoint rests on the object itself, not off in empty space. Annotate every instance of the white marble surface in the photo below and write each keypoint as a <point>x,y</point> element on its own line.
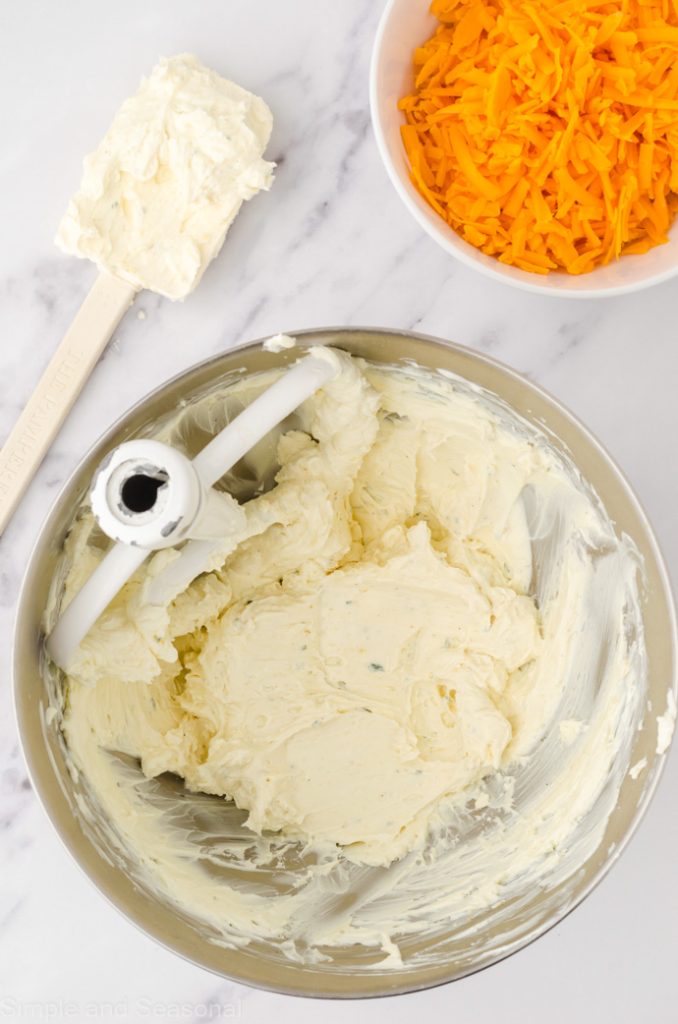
<point>331,244</point>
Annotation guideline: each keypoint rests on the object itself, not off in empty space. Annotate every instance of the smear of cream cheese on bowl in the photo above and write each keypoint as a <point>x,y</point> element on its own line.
<point>415,679</point>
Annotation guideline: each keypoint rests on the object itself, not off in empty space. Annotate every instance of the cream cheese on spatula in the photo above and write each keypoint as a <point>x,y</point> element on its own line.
<point>169,177</point>
<point>154,205</point>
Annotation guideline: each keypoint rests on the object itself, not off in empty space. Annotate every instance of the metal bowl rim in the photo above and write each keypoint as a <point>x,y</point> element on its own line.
<point>306,336</point>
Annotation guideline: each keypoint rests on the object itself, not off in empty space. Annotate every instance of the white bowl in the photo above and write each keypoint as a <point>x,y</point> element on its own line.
<point>404,25</point>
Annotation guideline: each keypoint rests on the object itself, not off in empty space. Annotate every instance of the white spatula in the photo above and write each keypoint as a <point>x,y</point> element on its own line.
<point>60,385</point>
<point>154,205</point>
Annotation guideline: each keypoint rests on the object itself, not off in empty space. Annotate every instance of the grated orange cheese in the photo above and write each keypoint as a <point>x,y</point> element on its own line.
<point>546,133</point>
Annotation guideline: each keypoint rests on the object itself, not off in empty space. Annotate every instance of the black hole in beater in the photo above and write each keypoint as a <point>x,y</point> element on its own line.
<point>139,492</point>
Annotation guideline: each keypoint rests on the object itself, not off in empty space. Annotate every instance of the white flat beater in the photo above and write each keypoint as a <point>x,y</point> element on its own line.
<point>146,495</point>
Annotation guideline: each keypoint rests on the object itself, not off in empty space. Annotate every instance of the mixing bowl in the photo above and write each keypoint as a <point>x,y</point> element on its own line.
<point>351,971</point>
<point>406,24</point>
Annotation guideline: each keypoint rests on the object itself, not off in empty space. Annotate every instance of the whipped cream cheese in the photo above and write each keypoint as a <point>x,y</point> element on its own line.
<point>169,177</point>
<point>390,669</point>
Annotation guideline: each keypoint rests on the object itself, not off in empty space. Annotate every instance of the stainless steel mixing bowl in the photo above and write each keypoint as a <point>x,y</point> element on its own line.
<point>351,973</point>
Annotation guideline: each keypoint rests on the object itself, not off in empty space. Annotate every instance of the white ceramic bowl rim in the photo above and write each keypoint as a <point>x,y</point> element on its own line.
<point>391,56</point>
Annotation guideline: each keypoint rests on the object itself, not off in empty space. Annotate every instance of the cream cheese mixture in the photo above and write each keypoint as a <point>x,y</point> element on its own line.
<point>159,194</point>
<point>427,630</point>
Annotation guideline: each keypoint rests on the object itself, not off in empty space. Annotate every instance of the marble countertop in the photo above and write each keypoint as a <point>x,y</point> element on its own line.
<point>330,244</point>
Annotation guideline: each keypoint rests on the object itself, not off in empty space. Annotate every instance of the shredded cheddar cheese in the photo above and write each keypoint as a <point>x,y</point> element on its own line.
<point>546,133</point>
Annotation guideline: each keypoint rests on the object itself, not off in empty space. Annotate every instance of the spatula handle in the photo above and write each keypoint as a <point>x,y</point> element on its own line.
<point>59,387</point>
